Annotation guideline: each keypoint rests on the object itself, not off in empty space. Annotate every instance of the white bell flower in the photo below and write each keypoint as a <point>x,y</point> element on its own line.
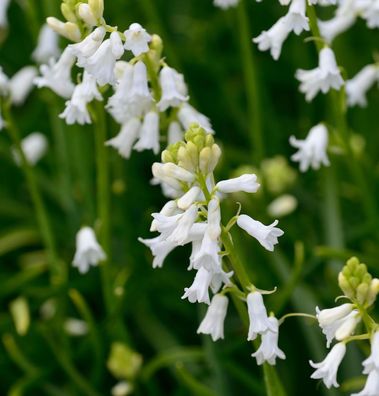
<point>357,87</point>
<point>296,18</point>
<point>213,322</point>
<point>326,76</point>
<point>327,369</point>
<point>198,291</point>
<point>312,151</point>
<point>245,183</point>
<point>21,84</point>
<point>88,251</point>
<point>34,147</point>
<point>267,236</point>
<point>269,350</point>
<point>274,38</point>
<point>102,63</point>
<point>175,133</point>
<point>47,46</point>
<point>124,141</point>
<point>56,75</point>
<point>259,321</point>
<point>160,248</point>
<point>137,39</point>
<point>172,85</point>
<point>149,133</point>
<point>208,255</point>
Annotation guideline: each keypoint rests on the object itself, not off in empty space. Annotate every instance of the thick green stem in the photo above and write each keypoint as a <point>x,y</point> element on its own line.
<point>103,201</point>
<point>252,85</point>
<point>57,270</point>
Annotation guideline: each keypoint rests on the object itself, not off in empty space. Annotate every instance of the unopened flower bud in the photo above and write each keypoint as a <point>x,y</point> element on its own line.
<point>69,29</point>
<point>97,8</point>
<point>86,14</point>
<point>204,159</point>
<point>184,159</point>
<point>362,291</point>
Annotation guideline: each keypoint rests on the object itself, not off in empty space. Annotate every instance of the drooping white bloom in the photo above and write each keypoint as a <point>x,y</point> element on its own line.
<point>169,209</point>
<point>88,46</point>
<point>4,4</point>
<point>327,369</point>
<point>246,183</point>
<point>171,172</point>
<point>357,87</point>
<point>137,39</point>
<point>274,38</point>
<point>269,350</point>
<point>57,75</point>
<point>259,321</point>
<point>326,317</point>
<point>332,28</point>
<point>188,115</point>
<point>213,322</point>
<point>160,248</point>
<point>282,206</point>
<point>88,251</point>
<point>313,150</point>
<point>296,19</point>
<point>372,385</point>
<point>21,84</point>
<point>76,109</point>
<point>198,291</point>
<point>102,63</point>
<point>174,91</point>
<point>208,254</point>
<point>175,133</point>
<point>34,147</point>
<point>149,134</point>
<point>224,4</point>
<point>124,141</point>
<point>191,196</point>
<point>323,78</point>
<point>267,236</point>
<point>372,362</point>
<point>47,46</point>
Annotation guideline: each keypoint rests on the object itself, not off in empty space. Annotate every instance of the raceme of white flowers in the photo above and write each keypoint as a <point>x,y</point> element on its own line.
<point>193,216</point>
<point>141,92</point>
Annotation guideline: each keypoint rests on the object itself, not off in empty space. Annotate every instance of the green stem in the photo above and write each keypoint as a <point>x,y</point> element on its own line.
<point>252,85</point>
<point>57,270</point>
<point>103,201</point>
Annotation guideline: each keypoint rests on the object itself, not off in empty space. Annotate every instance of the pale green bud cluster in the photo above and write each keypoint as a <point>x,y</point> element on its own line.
<point>278,175</point>
<point>198,153</point>
<point>79,15</point>
<point>357,283</point>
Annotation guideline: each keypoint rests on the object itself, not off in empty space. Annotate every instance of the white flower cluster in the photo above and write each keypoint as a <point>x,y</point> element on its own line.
<point>193,216</point>
<point>144,87</point>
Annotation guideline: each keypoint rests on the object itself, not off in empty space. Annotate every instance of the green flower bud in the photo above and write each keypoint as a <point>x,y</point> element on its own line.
<point>278,174</point>
<point>19,309</point>
<point>167,156</point>
<point>68,13</point>
<point>345,286</point>
<point>362,293</point>
<point>69,29</point>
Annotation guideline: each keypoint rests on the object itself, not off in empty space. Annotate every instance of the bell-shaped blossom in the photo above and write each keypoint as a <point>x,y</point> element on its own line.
<point>326,76</point>
<point>34,147</point>
<point>170,171</point>
<point>327,369</point>
<point>329,316</point>
<point>357,87</point>
<point>4,4</point>
<point>213,322</point>
<point>199,290</point>
<point>312,151</point>
<point>246,183</point>
<point>102,63</point>
<point>269,350</point>
<point>86,48</point>
<point>160,248</point>
<point>76,110</point>
<point>208,255</point>
<point>137,39</point>
<point>124,141</point>
<point>47,46</point>
<point>332,28</point>
<point>372,385</point>
<point>21,84</point>
<point>174,91</point>
<point>224,4</point>
<point>175,133</point>
<point>267,236</point>
<point>296,19</point>
<point>259,321</point>
<point>88,251</point>
<point>188,115</point>
<point>274,38</point>
<point>372,362</point>
<point>149,134</point>
<point>57,75</point>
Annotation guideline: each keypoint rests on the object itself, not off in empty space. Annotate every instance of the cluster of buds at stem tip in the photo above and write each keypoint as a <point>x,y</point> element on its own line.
<point>341,323</point>
<point>193,216</point>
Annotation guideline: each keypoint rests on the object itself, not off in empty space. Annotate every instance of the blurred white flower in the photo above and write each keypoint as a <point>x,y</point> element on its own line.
<point>357,87</point>
<point>47,46</point>
<point>4,4</point>
<point>371,14</point>
<point>282,206</point>
<point>137,39</point>
<point>313,150</point>
<point>327,369</point>
<point>75,327</point>
<point>149,133</point>
<point>267,236</point>
<point>188,115</point>
<point>34,147</point>
<point>175,133</point>
<point>224,4</point>
<point>122,388</point>
<point>88,251</point>
<point>21,84</point>
<point>213,322</point>
<point>324,77</point>
<point>88,46</point>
